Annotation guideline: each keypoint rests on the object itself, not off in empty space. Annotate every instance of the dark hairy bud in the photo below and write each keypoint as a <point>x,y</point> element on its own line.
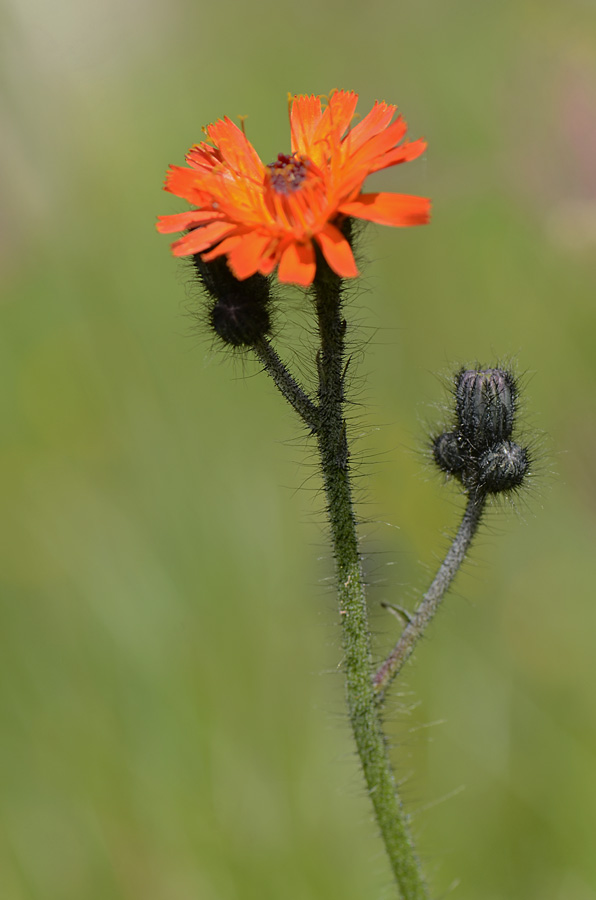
<point>239,321</point>
<point>240,314</point>
<point>485,405</point>
<point>448,453</point>
<point>479,452</point>
<point>503,467</point>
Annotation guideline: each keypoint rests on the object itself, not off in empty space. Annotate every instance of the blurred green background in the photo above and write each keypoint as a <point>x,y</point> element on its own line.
<point>172,720</point>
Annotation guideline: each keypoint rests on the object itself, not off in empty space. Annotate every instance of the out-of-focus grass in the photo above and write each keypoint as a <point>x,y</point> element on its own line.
<point>170,724</point>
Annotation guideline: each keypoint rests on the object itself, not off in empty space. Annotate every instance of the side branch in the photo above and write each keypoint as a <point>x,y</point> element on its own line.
<point>293,392</point>
<point>431,601</point>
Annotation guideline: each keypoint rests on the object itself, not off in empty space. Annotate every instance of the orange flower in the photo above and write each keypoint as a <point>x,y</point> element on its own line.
<point>263,216</point>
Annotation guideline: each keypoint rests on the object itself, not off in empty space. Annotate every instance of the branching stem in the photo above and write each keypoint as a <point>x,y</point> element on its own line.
<point>431,601</point>
<point>287,384</point>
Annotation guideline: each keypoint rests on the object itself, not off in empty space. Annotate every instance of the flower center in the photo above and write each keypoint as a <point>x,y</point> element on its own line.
<point>287,173</point>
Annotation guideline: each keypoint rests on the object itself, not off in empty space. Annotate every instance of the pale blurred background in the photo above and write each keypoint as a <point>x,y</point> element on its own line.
<point>172,724</point>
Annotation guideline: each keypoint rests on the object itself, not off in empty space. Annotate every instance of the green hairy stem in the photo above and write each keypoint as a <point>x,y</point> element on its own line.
<point>357,662</point>
<point>365,687</point>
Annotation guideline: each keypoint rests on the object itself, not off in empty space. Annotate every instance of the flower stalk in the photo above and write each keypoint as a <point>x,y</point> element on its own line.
<point>327,421</point>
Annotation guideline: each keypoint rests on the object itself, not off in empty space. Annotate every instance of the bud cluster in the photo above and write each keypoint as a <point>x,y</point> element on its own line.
<point>239,314</point>
<point>479,451</point>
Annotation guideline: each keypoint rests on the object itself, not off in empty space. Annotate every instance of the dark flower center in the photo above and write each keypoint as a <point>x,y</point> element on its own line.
<point>287,173</point>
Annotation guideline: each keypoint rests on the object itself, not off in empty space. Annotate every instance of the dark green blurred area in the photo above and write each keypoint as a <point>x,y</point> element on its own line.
<point>172,719</point>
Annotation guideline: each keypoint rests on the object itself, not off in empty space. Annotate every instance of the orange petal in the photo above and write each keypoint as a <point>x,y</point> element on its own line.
<point>245,257</point>
<point>202,238</point>
<point>336,118</point>
<point>389,209</point>
<point>376,121</point>
<point>337,251</point>
<point>305,115</point>
<point>183,183</point>
<point>297,264</point>
<point>235,148</point>
<point>226,246</point>
<point>408,151</point>
<point>180,221</point>
<point>269,262</point>
<point>375,148</point>
<point>203,157</point>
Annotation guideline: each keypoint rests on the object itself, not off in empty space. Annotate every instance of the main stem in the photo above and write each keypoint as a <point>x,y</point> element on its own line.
<point>365,716</point>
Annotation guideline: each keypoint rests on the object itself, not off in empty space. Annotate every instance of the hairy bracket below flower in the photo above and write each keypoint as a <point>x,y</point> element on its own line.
<point>263,217</point>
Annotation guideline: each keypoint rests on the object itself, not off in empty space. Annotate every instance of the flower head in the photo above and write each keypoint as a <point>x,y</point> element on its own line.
<point>262,216</point>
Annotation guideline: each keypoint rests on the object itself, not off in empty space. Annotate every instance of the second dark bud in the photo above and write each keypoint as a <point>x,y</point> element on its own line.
<point>479,452</point>
<point>239,314</point>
